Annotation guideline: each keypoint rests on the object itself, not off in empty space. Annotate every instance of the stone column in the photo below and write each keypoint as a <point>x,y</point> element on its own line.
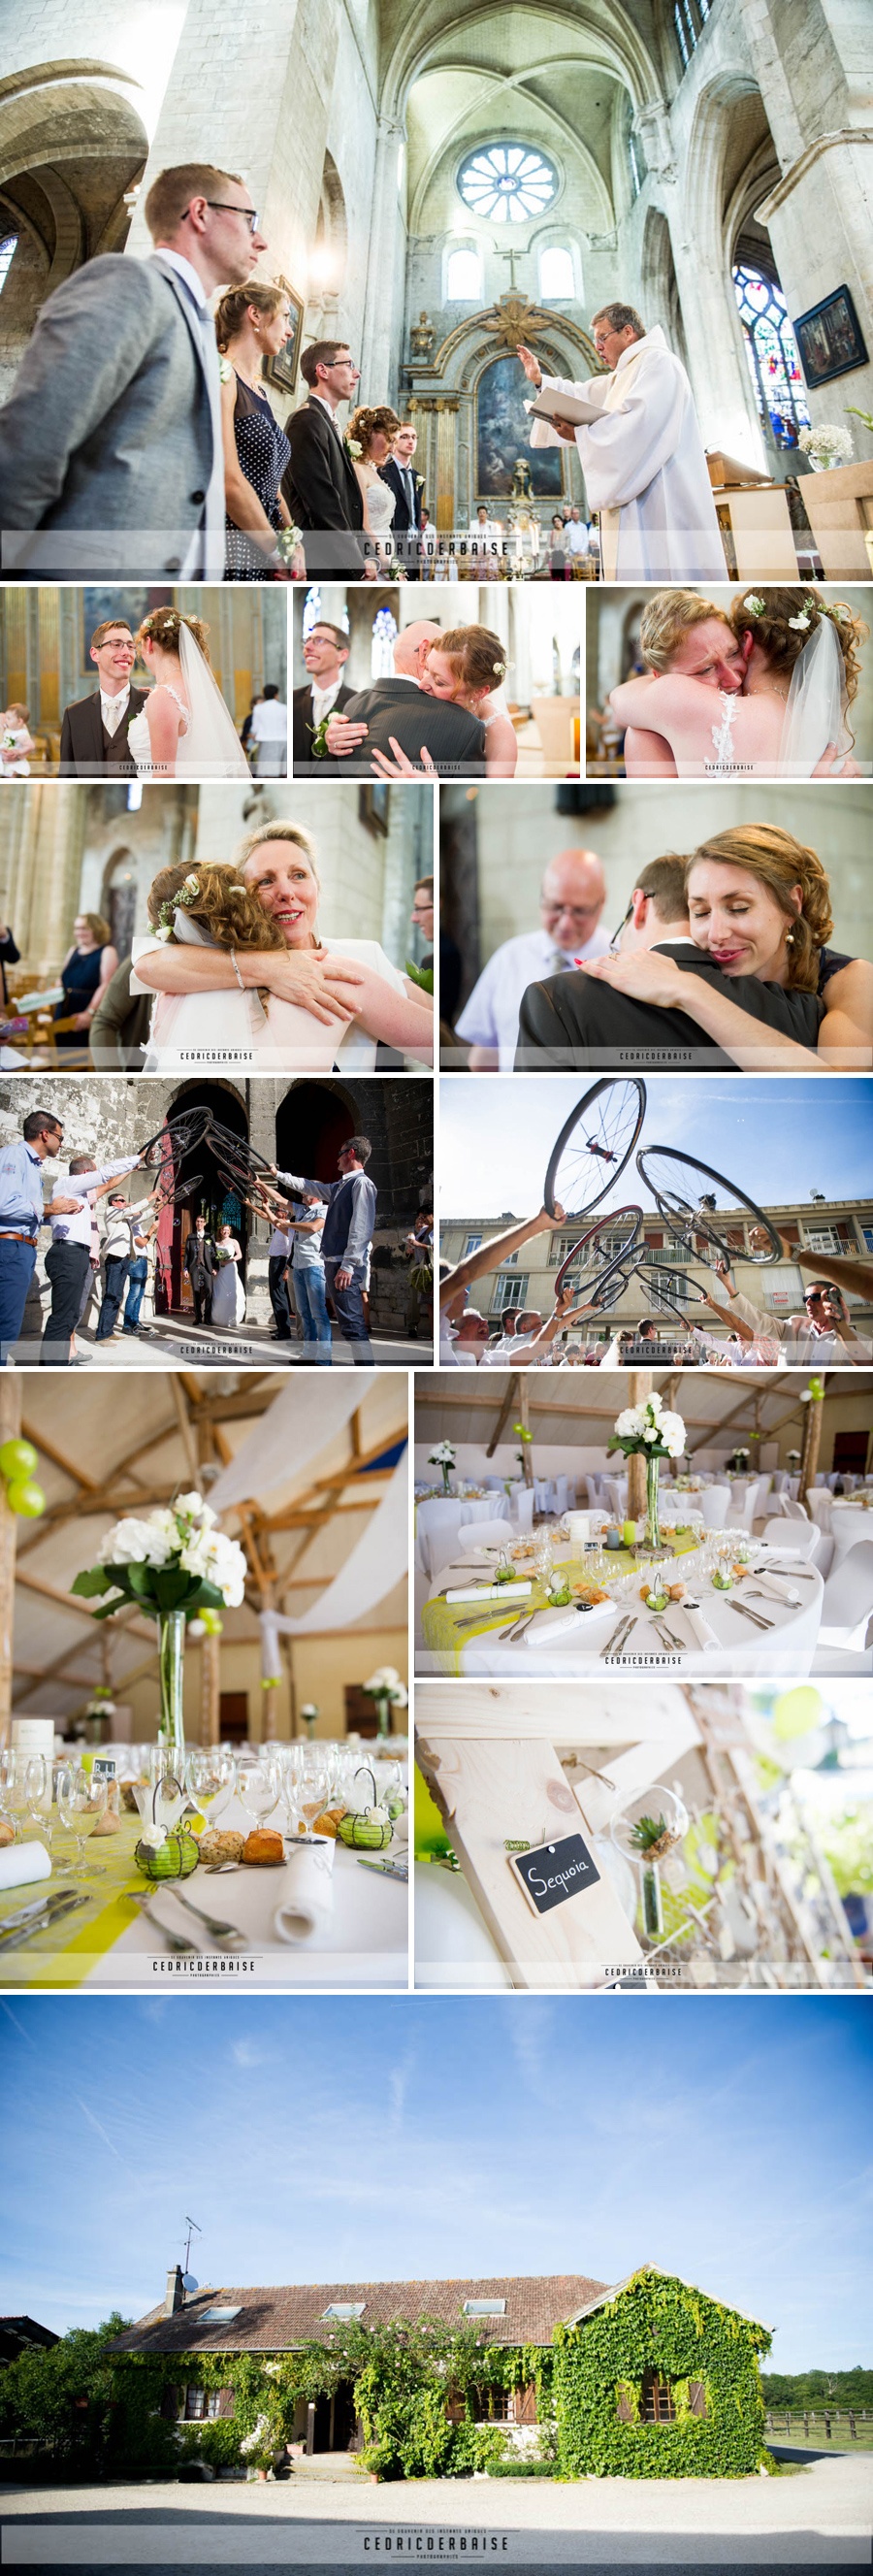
<point>717,366</point>
<point>382,334</point>
<point>448,406</point>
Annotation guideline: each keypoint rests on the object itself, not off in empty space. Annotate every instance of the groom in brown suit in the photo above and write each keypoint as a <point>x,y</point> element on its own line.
<point>94,731</point>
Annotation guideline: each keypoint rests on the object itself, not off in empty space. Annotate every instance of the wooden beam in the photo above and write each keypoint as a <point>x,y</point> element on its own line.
<point>10,1428</point>
<point>639,1390</point>
<point>184,1421</point>
<point>80,1609</point>
<point>49,1449</point>
<point>503,1415</point>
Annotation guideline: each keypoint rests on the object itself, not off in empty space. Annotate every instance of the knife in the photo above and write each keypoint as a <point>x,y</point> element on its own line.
<point>24,1927</point>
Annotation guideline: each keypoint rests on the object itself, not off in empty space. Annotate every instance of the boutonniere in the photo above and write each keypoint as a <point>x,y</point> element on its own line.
<point>352,447</point>
<point>319,739</point>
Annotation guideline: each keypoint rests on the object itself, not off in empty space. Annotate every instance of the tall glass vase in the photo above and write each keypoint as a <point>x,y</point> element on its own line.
<point>383,1715</point>
<point>653,1526</point>
<point>171,1657</point>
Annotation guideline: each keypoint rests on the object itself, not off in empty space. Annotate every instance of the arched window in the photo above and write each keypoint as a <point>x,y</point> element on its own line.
<point>771,350</point>
<point>689,20</point>
<point>8,249</point>
<point>382,648</point>
<point>463,277</point>
<point>556,274</point>
<point>507,183</point>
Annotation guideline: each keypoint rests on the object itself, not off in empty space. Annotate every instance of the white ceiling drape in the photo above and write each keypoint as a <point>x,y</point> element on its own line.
<point>378,1561</point>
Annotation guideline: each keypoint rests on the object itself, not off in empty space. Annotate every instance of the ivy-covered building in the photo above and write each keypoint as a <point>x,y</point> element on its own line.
<point>649,2378</point>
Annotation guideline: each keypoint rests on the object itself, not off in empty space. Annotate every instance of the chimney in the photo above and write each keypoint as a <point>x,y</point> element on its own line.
<point>175,2297</point>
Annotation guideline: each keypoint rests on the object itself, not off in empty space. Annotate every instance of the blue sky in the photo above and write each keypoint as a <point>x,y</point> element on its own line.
<point>727,2139</point>
<point>777,1138</point>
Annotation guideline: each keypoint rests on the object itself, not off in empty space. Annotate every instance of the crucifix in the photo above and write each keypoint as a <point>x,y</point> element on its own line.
<point>512,255</point>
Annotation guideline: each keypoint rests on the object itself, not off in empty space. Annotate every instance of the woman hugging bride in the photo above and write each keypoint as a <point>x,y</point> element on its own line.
<point>762,692</point>
<point>244,977</point>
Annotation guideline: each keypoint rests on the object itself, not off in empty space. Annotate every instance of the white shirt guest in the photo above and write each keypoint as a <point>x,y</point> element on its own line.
<point>79,1185</point>
<point>571,904</point>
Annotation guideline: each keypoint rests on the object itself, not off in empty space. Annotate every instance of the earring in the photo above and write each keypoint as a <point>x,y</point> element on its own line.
<point>789,939</point>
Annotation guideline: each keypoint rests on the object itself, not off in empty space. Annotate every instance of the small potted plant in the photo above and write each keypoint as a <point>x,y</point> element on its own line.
<point>646,1834</point>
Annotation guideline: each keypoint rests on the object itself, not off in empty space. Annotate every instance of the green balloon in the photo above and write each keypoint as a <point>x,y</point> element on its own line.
<point>27,1501</point>
<point>18,1458</point>
<point>797,1712</point>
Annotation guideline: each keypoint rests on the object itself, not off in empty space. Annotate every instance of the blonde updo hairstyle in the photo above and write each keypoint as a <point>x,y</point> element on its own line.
<point>234,304</point>
<point>783,642</point>
<point>224,906</point>
<point>667,618</point>
<point>476,658</point>
<point>366,421</point>
<point>163,627</point>
<point>780,863</point>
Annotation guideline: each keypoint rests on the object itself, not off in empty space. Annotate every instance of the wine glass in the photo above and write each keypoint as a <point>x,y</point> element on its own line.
<point>210,1778</point>
<point>81,1799</point>
<point>258,1788</point>
<point>13,1795</point>
<point>38,1793</point>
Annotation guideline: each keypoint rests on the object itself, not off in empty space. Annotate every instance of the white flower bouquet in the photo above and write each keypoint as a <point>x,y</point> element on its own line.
<point>444,1457</point>
<point>826,444</point>
<point>176,1559</point>
<point>386,1684</point>
<point>647,1431</point>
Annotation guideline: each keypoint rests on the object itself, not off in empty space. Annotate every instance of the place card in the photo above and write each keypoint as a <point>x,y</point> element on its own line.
<point>554,1872</point>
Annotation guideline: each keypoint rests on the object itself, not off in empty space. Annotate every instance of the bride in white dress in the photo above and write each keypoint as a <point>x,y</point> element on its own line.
<point>184,730</point>
<point>228,1295</point>
<point>794,658</point>
<point>372,431</point>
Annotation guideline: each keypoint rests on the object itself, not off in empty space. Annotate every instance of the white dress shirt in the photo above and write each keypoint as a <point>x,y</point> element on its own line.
<point>80,1185</point>
<point>269,720</point>
<point>576,536</point>
<point>490,1017</point>
<point>121,1226</point>
<point>324,699</point>
<point>113,710</point>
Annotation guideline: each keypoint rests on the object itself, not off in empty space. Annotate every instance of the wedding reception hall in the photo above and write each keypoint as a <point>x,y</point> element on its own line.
<point>652,1524</point>
<point>203,1704</point>
<point>728,1830</point>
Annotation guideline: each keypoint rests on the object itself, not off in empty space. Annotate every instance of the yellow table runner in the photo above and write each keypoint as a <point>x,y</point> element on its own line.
<point>449,1626</point>
<point>64,1953</point>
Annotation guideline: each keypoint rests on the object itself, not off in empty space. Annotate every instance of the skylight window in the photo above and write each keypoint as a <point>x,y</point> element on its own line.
<point>344,2308</point>
<point>484,2308</point>
<point>219,2316</point>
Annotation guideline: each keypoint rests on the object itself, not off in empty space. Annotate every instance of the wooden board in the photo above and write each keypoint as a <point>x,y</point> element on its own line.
<point>555,1712</point>
<point>488,1796</point>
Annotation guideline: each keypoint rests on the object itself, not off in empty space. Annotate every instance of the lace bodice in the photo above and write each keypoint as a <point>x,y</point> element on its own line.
<point>139,738</point>
<point>380,501</point>
<point>723,735</point>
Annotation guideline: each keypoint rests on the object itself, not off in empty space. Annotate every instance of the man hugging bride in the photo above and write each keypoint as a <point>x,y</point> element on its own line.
<point>244,976</point>
<point>762,691</point>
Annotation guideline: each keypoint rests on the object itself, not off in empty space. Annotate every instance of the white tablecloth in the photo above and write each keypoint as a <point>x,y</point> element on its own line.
<point>848,1523</point>
<point>787,1648</point>
<point>446,1514</point>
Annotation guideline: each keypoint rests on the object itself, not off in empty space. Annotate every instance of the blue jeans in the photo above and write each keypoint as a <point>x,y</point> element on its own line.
<point>136,1282</point>
<point>349,1308</point>
<point>308,1286</point>
<point>17,1265</point>
<point>116,1274</point>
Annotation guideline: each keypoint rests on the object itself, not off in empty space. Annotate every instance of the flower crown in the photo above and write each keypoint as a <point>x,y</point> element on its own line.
<point>500,670</point>
<point>800,624</point>
<point>187,896</point>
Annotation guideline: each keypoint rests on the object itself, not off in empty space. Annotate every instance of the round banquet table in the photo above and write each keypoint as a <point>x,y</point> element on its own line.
<point>362,1941</point>
<point>786,1648</point>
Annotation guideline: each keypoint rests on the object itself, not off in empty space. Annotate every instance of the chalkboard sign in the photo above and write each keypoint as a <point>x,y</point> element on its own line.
<point>556,1871</point>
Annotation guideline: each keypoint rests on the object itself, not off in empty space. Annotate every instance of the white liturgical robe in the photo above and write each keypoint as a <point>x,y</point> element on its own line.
<point>645,468</point>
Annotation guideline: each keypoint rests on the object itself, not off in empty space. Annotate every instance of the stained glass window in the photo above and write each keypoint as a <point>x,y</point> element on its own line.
<point>8,249</point>
<point>771,350</point>
<point>507,183</point>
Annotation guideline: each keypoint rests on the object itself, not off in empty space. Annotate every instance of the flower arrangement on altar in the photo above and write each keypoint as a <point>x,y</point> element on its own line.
<point>826,445</point>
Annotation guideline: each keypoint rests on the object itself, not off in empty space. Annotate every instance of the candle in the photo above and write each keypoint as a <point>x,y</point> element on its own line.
<point>629,1532</point>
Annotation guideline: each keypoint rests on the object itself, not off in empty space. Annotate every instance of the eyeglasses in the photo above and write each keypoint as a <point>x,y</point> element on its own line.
<point>575,911</point>
<point>617,933</point>
<point>221,206</point>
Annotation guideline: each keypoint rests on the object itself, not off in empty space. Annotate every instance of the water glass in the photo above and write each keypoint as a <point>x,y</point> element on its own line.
<point>210,1778</point>
<point>81,1800</point>
<point>258,1788</point>
<point>38,1793</point>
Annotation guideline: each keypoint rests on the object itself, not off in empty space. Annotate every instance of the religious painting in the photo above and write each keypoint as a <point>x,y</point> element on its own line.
<point>830,339</point>
<point>282,371</point>
<point>503,437</point>
<point>128,606</point>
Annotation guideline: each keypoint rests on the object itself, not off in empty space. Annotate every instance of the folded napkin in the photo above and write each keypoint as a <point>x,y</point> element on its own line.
<point>701,1631</point>
<point>307,1897</point>
<point>21,1863</point>
<point>778,1588</point>
<point>552,1623</point>
<point>492,1592</point>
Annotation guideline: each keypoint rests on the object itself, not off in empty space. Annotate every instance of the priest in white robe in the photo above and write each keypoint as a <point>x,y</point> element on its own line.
<point>642,456</point>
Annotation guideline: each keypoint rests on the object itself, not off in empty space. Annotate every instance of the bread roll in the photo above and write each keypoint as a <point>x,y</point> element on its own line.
<point>214,1847</point>
<point>263,1848</point>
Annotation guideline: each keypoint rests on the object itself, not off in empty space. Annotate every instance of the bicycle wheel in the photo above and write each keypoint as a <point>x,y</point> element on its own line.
<point>603,1249</point>
<point>594,1144</point>
<point>692,1211</point>
<point>676,1289</point>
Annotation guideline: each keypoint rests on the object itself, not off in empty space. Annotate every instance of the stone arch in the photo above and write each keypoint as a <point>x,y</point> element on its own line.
<point>558,139</point>
<point>229,1105</point>
<point>329,257</point>
<point>313,1119</point>
<point>118,894</point>
<point>615,45</point>
<point>72,146</point>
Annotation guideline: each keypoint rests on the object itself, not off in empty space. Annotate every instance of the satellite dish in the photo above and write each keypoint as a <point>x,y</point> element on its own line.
<point>189,2283</point>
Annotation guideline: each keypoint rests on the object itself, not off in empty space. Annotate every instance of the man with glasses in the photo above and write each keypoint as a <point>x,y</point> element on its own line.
<point>641,453</point>
<point>824,1334</point>
<point>111,441</point>
<point>571,902</point>
<point>319,483</point>
<point>21,1215</point>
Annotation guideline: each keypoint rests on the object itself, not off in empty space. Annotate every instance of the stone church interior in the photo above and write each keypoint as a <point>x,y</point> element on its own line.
<point>538,629</point>
<point>45,662</point>
<point>456,187</point>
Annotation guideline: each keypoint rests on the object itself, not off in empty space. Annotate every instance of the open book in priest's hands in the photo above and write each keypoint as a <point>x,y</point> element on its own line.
<point>555,404</point>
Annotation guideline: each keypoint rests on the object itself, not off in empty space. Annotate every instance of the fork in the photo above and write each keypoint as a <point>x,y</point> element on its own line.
<point>754,1615</point>
<point>666,1636</point>
<point>208,1922</point>
<point>507,1637</point>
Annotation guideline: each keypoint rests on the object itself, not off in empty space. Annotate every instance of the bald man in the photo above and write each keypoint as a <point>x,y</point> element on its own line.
<point>398,710</point>
<point>571,903</point>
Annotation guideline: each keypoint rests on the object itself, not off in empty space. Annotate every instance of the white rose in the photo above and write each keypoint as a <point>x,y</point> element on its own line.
<point>651,1432</point>
<point>134,1542</point>
<point>629,1423</point>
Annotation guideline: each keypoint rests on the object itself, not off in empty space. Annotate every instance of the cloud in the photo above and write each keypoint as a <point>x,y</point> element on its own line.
<point>245,2052</point>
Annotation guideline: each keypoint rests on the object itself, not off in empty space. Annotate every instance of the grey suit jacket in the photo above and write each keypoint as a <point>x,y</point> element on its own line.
<point>106,442</point>
<point>455,739</point>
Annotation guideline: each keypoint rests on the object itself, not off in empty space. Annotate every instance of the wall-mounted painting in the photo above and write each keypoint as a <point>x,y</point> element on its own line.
<point>830,339</point>
<point>503,435</point>
<point>282,371</point>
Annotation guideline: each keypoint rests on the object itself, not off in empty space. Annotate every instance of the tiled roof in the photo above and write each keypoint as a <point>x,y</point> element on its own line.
<point>272,2320</point>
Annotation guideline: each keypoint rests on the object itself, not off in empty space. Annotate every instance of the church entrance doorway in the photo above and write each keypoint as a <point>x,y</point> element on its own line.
<point>312,1123</point>
<point>212,1198</point>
